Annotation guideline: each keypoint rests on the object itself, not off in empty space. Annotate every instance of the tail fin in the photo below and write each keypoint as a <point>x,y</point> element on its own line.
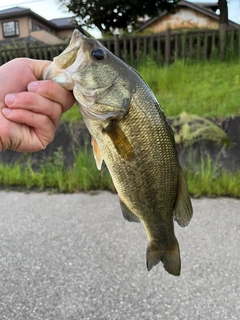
<point>170,258</point>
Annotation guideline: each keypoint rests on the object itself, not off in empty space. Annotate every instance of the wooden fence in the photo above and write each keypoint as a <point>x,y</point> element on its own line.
<point>170,46</point>
<point>164,48</point>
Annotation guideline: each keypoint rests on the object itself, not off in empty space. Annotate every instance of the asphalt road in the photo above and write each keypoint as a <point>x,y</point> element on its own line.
<point>75,257</point>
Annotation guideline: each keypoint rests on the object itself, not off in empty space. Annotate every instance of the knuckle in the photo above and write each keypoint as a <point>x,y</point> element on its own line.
<point>50,88</point>
<point>55,111</point>
<point>28,98</point>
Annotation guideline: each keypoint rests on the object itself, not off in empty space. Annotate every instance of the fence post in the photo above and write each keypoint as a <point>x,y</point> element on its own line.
<point>27,50</point>
<point>167,47</point>
<point>116,45</point>
<point>223,40</point>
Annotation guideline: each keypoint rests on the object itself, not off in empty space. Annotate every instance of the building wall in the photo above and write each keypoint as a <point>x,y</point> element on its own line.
<point>184,18</point>
<point>29,26</point>
<point>65,34</point>
<point>47,37</point>
<point>26,25</point>
<point>23,27</point>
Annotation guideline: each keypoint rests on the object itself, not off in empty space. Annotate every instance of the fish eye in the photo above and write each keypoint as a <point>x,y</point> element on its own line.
<point>98,54</point>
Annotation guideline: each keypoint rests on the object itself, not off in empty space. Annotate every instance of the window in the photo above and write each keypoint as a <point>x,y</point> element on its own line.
<point>36,26</point>
<point>10,29</point>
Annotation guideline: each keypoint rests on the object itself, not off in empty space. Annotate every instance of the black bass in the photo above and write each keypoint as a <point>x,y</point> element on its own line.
<point>132,136</point>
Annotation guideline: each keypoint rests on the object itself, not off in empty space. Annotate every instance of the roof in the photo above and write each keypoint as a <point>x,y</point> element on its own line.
<point>208,5</point>
<point>56,24</point>
<point>64,22</point>
<point>206,8</point>
<point>14,10</point>
<point>20,11</point>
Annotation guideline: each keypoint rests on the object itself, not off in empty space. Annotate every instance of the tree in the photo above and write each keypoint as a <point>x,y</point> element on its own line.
<point>110,14</point>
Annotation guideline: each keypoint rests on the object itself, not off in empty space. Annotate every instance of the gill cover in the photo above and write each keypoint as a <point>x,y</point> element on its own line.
<point>101,84</point>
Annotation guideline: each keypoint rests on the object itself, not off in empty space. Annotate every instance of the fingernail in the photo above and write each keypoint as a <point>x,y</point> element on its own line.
<point>6,111</point>
<point>9,99</point>
<point>33,86</point>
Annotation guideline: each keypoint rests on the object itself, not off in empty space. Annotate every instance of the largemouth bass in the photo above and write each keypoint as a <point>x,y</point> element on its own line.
<point>131,135</point>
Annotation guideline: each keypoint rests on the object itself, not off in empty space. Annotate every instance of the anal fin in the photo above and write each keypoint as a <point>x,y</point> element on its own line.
<point>127,214</point>
<point>183,210</point>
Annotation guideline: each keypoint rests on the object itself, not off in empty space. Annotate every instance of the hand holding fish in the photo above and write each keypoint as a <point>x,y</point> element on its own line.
<point>30,110</point>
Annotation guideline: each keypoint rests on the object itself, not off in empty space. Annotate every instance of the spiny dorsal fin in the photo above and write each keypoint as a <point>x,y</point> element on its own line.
<point>183,210</point>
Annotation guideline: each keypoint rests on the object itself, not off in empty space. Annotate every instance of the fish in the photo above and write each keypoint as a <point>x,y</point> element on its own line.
<point>131,135</point>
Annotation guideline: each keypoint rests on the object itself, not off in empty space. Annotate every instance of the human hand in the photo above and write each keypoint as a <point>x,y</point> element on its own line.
<point>30,110</point>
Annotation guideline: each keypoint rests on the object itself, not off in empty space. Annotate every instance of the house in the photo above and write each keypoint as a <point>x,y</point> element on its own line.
<point>22,25</point>
<point>187,15</point>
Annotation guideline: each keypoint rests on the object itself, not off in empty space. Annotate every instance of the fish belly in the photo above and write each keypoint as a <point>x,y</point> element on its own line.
<point>147,182</point>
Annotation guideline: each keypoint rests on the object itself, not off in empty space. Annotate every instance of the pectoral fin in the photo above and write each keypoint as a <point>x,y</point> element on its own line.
<point>183,210</point>
<point>97,154</point>
<point>127,214</point>
<point>120,141</point>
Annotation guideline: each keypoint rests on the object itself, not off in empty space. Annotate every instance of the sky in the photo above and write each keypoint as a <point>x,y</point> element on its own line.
<point>52,9</point>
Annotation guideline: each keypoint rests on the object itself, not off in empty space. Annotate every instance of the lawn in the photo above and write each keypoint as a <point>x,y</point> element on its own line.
<point>204,89</point>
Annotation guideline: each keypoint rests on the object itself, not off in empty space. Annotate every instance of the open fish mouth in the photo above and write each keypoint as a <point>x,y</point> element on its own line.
<point>70,70</point>
<point>64,65</point>
<point>67,59</point>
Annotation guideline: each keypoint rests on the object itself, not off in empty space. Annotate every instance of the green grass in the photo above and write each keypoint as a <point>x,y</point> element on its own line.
<point>72,114</point>
<point>54,176</point>
<point>206,179</point>
<point>211,181</point>
<point>204,88</point>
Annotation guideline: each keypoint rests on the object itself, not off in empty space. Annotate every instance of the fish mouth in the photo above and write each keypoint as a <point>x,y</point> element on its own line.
<point>68,57</point>
<point>62,67</point>
<point>90,93</point>
<point>65,71</point>
<point>77,36</point>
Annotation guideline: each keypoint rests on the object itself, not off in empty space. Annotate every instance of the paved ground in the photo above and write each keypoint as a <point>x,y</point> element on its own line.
<point>75,257</point>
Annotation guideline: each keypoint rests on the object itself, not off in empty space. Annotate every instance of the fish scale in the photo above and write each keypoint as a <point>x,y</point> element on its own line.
<point>131,135</point>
